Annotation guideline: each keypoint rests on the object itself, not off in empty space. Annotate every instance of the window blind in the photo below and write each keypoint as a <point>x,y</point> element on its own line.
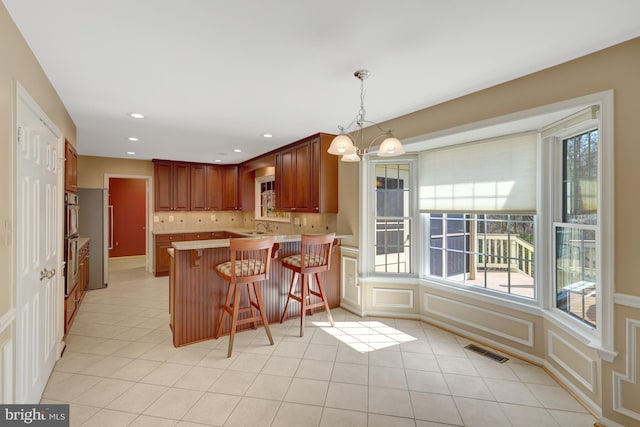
<point>492,175</point>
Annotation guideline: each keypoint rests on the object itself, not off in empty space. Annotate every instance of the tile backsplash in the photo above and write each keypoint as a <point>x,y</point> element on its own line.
<point>220,220</point>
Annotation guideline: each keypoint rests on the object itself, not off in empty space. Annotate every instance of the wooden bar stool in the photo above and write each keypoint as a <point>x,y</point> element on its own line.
<point>314,258</point>
<point>249,264</point>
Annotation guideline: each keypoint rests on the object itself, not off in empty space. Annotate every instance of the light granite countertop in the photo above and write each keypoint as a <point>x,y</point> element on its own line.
<point>223,243</point>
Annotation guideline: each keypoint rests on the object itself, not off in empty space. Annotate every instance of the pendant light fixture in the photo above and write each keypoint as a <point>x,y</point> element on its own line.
<point>345,144</point>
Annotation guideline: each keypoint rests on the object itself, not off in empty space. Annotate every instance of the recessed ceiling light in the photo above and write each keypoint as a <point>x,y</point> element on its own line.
<point>237,150</point>
<point>268,135</point>
<point>131,153</point>
<point>133,139</point>
<point>217,160</point>
<point>136,115</point>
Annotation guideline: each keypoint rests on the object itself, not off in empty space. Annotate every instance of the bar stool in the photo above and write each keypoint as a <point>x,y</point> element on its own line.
<point>249,264</point>
<point>317,258</point>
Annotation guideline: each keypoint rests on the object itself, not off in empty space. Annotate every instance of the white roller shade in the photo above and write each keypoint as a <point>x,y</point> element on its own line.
<point>493,175</point>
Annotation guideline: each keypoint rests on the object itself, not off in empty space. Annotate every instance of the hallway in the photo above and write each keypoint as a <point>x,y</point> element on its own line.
<point>120,369</point>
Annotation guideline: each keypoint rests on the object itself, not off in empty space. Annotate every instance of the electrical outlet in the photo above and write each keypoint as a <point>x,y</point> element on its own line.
<point>304,221</point>
<point>213,217</point>
<point>156,218</point>
<point>170,218</point>
<point>296,221</point>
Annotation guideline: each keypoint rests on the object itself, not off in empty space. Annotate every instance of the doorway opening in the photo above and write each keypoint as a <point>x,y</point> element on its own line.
<point>128,236</point>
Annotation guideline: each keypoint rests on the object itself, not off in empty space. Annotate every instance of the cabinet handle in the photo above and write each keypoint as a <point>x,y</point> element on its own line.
<point>110,226</point>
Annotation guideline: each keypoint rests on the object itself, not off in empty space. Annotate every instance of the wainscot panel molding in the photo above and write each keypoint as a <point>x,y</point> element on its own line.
<point>392,298</point>
<point>351,291</point>
<point>557,349</point>
<point>7,367</point>
<point>470,294</point>
<point>435,305</point>
<point>627,300</point>
<point>631,376</point>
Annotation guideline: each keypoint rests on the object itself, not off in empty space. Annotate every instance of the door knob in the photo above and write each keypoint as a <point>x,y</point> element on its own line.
<point>47,274</point>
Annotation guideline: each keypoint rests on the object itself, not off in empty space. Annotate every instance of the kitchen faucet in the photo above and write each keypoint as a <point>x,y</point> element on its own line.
<point>266,225</point>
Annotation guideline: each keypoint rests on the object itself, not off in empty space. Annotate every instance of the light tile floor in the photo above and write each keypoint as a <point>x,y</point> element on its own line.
<point>120,369</point>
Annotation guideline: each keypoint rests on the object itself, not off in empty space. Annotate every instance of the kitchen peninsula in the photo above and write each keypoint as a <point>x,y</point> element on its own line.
<point>196,293</point>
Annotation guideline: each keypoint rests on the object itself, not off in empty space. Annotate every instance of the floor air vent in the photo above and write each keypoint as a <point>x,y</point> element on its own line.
<point>487,353</point>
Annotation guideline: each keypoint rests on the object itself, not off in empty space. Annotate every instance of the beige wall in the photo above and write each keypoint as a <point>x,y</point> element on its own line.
<point>91,170</point>
<point>613,68</point>
<point>17,63</point>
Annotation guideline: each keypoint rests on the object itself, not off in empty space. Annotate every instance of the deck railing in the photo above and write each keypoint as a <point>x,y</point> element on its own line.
<point>505,252</point>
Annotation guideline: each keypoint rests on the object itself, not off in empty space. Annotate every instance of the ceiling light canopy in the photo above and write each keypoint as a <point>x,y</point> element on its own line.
<point>136,116</point>
<point>350,145</point>
<point>133,139</point>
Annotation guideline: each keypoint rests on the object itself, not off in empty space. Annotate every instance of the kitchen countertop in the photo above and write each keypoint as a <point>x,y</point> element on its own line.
<point>223,243</point>
<point>211,230</point>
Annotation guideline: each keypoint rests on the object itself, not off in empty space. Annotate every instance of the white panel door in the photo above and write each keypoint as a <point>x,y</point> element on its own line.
<point>38,283</point>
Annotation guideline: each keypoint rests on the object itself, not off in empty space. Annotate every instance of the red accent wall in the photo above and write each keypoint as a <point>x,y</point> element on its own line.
<point>128,198</point>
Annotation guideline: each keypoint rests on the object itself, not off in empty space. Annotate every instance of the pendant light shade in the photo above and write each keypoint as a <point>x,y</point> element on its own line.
<point>350,158</point>
<point>342,145</point>
<point>390,147</point>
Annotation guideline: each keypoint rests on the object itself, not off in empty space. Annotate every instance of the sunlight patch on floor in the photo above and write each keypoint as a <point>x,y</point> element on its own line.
<point>365,336</point>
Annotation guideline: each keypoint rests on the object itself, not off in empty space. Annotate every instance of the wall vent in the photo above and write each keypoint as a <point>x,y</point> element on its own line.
<point>491,355</point>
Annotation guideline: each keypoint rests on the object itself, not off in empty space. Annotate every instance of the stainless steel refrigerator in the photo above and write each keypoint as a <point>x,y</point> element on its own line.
<point>93,223</point>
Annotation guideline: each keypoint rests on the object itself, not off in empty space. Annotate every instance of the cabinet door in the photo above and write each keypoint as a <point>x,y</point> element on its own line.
<point>70,168</point>
<point>303,181</point>
<point>181,187</point>
<point>162,243</point>
<point>230,188</point>
<point>163,184</point>
<point>198,187</point>
<point>285,180</point>
<point>213,188</point>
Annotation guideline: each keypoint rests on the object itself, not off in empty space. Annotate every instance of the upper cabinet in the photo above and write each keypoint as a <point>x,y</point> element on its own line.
<point>181,186</point>
<point>229,181</point>
<point>172,181</point>
<point>70,168</point>
<point>307,176</point>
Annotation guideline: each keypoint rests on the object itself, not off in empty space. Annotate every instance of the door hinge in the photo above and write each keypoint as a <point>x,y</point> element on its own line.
<point>20,134</point>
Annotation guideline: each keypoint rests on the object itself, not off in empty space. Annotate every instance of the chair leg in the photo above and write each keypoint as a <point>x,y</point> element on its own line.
<point>324,299</point>
<point>225,307</point>
<point>294,280</point>
<point>234,318</point>
<point>252,305</point>
<point>304,291</point>
<point>265,323</point>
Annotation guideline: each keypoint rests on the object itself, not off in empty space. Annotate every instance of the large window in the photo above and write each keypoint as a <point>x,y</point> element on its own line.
<point>575,234</point>
<point>392,245</point>
<point>490,251</point>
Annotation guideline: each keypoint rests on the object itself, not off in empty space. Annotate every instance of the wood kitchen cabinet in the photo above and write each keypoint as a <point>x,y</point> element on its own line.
<point>229,181</point>
<point>162,243</point>
<point>172,185</point>
<point>70,168</point>
<point>73,300</point>
<point>213,188</point>
<point>198,187</point>
<point>307,176</point>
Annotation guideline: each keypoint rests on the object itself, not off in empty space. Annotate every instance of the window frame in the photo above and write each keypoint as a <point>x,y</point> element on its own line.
<point>367,224</point>
<point>600,338</point>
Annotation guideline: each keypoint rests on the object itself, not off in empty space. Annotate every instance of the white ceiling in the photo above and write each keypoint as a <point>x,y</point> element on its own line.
<point>213,75</point>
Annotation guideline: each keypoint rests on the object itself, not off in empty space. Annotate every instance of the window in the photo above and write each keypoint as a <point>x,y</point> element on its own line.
<point>490,251</point>
<point>392,218</point>
<point>265,201</point>
<point>575,235</point>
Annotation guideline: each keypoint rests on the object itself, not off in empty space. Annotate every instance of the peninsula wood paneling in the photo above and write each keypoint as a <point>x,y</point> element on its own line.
<point>197,293</point>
